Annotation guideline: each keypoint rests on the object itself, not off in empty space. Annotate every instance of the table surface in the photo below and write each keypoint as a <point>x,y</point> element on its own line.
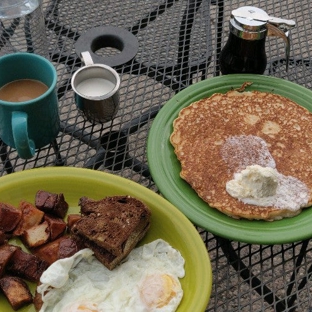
<point>178,44</point>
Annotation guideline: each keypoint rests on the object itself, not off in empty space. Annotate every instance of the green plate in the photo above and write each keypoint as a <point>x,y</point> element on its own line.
<point>165,168</point>
<point>167,222</point>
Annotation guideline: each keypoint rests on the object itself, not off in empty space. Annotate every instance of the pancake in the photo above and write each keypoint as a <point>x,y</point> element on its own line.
<point>202,129</point>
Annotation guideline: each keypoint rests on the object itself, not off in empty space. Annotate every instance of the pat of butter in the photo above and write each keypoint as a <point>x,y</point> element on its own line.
<point>254,182</point>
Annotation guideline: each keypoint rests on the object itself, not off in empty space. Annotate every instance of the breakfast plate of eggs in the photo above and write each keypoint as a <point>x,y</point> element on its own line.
<point>169,269</point>
<point>147,281</point>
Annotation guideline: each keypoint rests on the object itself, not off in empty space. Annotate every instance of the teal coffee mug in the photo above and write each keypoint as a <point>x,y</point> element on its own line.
<point>29,117</point>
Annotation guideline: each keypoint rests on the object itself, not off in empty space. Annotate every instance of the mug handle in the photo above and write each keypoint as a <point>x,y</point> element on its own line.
<point>25,147</point>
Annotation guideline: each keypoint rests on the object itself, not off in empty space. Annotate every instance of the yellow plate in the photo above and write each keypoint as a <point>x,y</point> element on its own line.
<point>167,221</point>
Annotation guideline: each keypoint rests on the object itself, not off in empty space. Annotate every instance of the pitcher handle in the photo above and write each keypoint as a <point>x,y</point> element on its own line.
<point>275,31</point>
<point>87,58</point>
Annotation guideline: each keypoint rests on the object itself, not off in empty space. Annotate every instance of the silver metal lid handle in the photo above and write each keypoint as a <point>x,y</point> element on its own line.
<point>251,13</point>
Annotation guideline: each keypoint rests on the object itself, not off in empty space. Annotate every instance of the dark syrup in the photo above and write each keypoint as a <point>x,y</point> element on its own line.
<point>243,56</point>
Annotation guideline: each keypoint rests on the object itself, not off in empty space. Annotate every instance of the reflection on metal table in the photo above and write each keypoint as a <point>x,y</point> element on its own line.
<point>159,48</point>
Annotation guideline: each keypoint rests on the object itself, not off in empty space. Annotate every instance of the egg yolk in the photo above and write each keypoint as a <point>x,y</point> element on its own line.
<point>82,307</point>
<point>156,291</point>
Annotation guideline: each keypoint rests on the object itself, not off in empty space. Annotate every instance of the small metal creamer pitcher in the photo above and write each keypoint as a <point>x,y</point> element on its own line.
<point>244,51</point>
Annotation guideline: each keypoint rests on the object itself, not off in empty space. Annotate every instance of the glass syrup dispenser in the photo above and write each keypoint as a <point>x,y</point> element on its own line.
<point>244,51</point>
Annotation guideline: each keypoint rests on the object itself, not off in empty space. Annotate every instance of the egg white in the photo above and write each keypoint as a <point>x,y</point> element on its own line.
<point>148,280</point>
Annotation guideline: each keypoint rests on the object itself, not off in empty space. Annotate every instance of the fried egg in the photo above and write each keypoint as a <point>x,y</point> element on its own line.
<point>148,280</point>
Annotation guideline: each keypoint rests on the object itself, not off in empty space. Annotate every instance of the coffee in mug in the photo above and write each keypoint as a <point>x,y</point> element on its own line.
<point>28,124</point>
<point>22,90</point>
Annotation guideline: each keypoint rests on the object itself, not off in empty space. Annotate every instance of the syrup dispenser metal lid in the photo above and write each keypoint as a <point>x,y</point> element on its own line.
<point>251,23</point>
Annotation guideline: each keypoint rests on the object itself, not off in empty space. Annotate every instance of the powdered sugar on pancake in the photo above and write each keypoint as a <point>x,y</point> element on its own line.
<point>246,150</point>
<point>242,154</point>
<point>291,193</point>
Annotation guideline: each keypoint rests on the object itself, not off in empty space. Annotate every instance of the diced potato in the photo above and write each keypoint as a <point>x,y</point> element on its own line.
<point>37,301</point>
<point>49,251</point>
<point>3,238</point>
<point>44,200</point>
<point>51,203</point>
<point>30,216</point>
<point>37,235</point>
<point>69,247</point>
<point>6,253</point>
<point>71,220</point>
<point>62,247</point>
<point>16,291</point>
<point>9,217</point>
<point>57,226</point>
<point>27,266</point>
